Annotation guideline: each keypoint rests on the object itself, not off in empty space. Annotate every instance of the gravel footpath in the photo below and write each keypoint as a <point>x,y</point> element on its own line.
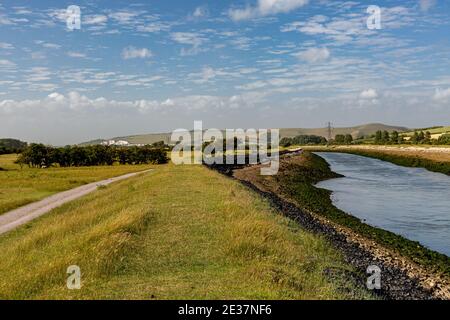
<point>22,215</point>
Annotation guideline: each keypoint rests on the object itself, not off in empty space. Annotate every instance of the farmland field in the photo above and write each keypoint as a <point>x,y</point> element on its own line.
<point>435,132</point>
<point>20,186</point>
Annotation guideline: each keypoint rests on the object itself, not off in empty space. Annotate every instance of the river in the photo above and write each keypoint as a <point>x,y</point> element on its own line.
<point>412,202</point>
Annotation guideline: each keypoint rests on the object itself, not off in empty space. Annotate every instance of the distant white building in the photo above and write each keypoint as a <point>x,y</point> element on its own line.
<point>121,143</point>
<point>115,143</point>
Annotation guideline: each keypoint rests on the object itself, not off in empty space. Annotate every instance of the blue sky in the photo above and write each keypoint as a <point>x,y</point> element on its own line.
<point>152,66</point>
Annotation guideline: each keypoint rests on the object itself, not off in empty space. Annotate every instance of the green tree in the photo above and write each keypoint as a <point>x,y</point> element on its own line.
<point>394,137</point>
<point>415,138</point>
<point>348,139</point>
<point>378,137</point>
<point>339,139</point>
<point>427,137</point>
<point>386,136</point>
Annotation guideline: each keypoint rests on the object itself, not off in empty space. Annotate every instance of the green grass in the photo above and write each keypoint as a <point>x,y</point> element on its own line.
<point>178,232</point>
<point>20,186</point>
<point>298,183</point>
<point>431,130</point>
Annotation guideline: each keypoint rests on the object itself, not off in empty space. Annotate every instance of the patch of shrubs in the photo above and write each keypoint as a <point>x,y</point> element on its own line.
<point>41,156</point>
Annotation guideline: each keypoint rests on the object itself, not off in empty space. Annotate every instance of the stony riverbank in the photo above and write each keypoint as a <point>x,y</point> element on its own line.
<point>402,278</point>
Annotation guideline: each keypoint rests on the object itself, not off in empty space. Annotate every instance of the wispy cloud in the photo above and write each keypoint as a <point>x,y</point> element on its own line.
<point>6,46</point>
<point>95,19</point>
<point>265,8</point>
<point>124,17</point>
<point>7,64</point>
<point>313,55</point>
<point>133,53</point>
<point>74,54</point>
<point>442,95</point>
<point>193,39</point>
<point>369,94</point>
<point>426,5</point>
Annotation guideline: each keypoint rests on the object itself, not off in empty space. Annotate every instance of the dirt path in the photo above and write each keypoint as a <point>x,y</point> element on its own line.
<point>22,215</point>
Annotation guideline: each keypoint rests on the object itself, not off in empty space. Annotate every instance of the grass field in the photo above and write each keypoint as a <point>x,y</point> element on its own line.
<point>438,130</point>
<point>20,186</point>
<point>177,232</point>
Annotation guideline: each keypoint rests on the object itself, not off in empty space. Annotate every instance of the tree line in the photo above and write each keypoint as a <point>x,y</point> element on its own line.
<point>8,146</point>
<point>41,156</point>
<point>302,140</point>
<point>343,139</point>
<point>419,137</point>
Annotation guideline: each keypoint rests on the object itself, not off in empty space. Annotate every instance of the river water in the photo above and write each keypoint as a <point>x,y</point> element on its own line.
<point>412,202</point>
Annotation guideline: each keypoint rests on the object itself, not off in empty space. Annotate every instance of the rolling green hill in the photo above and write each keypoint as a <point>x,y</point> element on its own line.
<point>357,131</point>
<point>435,131</point>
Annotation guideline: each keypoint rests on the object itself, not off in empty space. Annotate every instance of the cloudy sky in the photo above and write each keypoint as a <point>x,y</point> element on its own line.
<point>154,66</point>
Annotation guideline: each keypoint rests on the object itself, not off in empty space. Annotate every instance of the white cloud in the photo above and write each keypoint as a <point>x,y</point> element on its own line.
<point>241,43</point>
<point>94,19</point>
<point>6,64</point>
<point>123,17</point>
<point>132,53</point>
<point>38,55</point>
<point>252,86</point>
<point>154,27</point>
<point>426,5</point>
<point>369,94</point>
<point>47,44</point>
<point>74,54</point>
<point>4,20</point>
<point>441,95</point>
<point>266,8</point>
<point>78,103</point>
<point>195,40</point>
<point>313,55</point>
<point>58,14</point>
<point>205,75</point>
<point>345,28</point>
<point>189,38</point>
<point>200,12</point>
<point>6,46</point>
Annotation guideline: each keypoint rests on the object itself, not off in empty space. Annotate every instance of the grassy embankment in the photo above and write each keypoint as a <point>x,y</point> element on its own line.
<point>297,182</point>
<point>20,186</point>
<point>177,232</point>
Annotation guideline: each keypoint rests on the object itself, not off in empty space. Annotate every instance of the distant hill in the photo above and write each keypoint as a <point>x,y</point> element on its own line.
<point>357,131</point>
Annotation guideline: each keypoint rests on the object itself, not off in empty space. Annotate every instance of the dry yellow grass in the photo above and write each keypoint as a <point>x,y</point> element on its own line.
<point>178,232</point>
<point>20,186</point>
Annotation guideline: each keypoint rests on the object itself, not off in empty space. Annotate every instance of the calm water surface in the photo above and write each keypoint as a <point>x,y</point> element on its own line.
<point>412,202</point>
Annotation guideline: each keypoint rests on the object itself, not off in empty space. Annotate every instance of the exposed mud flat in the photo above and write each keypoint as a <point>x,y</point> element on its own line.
<point>401,278</point>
